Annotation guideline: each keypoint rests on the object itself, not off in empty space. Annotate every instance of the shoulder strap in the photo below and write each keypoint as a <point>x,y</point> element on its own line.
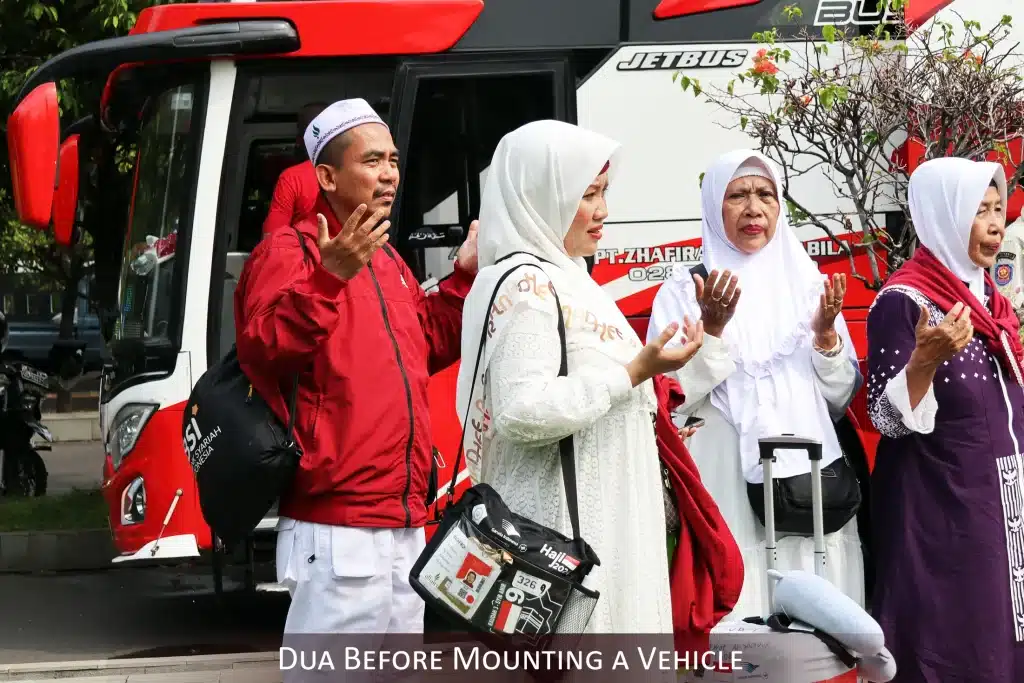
<point>293,401</point>
<point>781,623</point>
<point>566,446</point>
<point>302,243</point>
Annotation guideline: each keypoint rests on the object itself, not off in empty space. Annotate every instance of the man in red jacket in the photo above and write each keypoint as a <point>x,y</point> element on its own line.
<point>364,338</point>
<point>296,190</point>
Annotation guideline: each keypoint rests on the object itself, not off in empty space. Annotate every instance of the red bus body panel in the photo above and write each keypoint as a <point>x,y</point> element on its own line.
<point>337,28</point>
<point>159,457</point>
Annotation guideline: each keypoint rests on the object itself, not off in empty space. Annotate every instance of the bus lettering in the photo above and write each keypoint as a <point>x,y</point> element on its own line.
<point>827,247</point>
<point>690,59</point>
<point>856,12</point>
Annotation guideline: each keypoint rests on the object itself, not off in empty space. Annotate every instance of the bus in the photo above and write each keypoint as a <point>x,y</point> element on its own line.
<point>207,93</point>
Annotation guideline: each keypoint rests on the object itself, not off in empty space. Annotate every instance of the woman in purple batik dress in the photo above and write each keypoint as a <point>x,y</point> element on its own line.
<point>945,390</point>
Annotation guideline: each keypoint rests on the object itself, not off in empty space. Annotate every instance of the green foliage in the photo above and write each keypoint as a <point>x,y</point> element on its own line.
<point>31,32</point>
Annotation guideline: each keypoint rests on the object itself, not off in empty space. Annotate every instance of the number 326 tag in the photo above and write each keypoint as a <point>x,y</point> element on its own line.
<point>531,584</point>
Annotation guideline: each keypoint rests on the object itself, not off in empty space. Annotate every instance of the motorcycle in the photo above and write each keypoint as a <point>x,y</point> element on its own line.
<point>22,389</point>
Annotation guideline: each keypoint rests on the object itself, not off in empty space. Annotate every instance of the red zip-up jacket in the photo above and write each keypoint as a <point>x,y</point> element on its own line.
<point>365,349</point>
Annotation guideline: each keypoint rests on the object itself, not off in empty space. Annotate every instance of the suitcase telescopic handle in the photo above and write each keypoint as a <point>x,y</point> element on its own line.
<point>767,446</point>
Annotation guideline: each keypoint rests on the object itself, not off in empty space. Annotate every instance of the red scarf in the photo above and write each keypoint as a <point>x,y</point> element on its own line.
<point>928,275</point>
<point>706,572</point>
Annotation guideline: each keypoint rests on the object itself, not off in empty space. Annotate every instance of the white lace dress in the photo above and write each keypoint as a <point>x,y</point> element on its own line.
<point>617,465</point>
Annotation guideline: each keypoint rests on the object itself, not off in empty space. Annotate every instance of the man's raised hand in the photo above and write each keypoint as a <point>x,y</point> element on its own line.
<point>467,256</point>
<point>346,253</point>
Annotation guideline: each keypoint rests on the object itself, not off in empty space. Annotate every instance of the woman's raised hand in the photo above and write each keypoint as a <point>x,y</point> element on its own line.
<point>717,299</point>
<point>655,359</point>
<point>824,321</point>
<point>945,340</point>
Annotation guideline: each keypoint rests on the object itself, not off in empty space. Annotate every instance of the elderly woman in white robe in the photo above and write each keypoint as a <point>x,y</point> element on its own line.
<point>544,204</point>
<point>776,358</point>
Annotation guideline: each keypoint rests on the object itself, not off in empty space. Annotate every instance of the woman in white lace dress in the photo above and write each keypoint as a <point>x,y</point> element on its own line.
<point>777,358</point>
<point>544,204</point>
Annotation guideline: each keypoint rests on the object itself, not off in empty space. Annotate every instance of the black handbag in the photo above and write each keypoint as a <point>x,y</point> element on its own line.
<point>244,459</point>
<point>794,512</point>
<point>502,576</point>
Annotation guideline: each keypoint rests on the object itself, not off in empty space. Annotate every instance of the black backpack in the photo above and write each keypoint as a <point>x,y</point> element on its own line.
<point>242,456</point>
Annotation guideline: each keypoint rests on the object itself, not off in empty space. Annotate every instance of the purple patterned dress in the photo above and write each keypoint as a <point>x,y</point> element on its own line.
<point>950,585</point>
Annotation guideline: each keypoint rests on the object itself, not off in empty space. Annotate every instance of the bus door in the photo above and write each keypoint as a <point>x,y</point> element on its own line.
<point>446,113</point>
<point>449,113</point>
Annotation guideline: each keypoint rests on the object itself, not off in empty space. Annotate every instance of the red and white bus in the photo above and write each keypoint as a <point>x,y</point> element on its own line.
<point>209,92</point>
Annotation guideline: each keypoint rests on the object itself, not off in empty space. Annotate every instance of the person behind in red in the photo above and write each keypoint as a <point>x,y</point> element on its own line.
<point>296,190</point>
<point>352,322</point>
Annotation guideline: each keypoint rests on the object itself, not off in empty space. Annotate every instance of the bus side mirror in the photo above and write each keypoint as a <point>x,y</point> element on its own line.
<point>33,139</point>
<point>65,197</point>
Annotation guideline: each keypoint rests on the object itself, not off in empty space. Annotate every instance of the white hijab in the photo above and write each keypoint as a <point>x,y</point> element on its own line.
<point>534,186</point>
<point>773,390</point>
<point>944,196</point>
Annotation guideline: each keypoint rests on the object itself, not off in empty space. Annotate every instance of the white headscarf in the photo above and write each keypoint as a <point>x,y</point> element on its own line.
<point>944,196</point>
<point>773,390</point>
<point>537,178</point>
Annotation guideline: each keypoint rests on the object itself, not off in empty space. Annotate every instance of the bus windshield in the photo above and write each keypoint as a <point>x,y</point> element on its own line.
<point>166,153</point>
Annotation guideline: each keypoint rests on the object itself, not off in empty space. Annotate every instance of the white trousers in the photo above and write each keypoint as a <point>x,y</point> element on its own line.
<point>349,579</point>
<point>345,580</point>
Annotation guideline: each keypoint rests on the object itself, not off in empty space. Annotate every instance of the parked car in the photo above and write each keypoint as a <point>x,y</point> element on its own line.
<point>34,321</point>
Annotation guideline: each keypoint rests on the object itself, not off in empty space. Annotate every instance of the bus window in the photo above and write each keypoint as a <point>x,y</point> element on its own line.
<point>267,159</point>
<point>456,124</point>
<point>165,163</point>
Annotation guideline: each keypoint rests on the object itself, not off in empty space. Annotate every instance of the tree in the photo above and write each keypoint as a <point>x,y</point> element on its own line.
<point>32,32</point>
<point>866,109</point>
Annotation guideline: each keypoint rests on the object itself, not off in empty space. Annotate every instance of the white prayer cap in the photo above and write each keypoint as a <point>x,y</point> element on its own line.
<point>335,120</point>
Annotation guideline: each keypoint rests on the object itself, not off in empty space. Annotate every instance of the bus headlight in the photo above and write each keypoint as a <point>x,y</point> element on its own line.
<point>127,425</point>
<point>133,502</point>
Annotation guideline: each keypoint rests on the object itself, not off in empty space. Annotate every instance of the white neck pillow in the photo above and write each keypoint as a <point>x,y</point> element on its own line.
<point>813,600</point>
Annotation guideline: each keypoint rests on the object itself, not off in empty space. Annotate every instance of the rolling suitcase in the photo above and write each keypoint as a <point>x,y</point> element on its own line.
<point>770,650</point>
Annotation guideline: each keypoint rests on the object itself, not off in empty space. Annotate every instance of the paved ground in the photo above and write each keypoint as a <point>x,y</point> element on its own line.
<point>126,611</point>
<point>132,612</point>
<point>74,465</point>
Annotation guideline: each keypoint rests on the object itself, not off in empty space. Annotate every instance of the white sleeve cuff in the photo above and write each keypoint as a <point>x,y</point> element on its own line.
<point>825,360</point>
<point>715,347</point>
<point>619,385</point>
<point>921,420</point>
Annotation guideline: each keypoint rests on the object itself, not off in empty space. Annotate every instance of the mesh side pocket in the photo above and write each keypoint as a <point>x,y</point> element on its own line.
<point>576,612</point>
